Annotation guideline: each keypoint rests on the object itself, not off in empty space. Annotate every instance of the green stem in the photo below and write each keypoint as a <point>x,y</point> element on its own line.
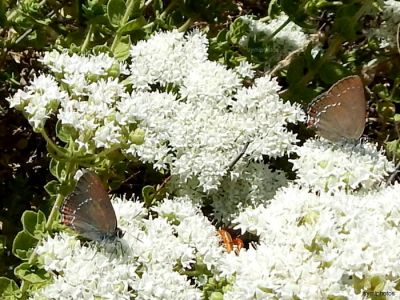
<point>53,213</point>
<point>168,9</point>
<point>87,38</point>
<point>265,19</point>
<point>186,25</point>
<point>147,26</point>
<point>51,143</point>
<point>129,7</point>
<point>278,29</point>
<point>147,3</point>
<point>107,151</point>
<point>334,46</point>
<point>48,226</point>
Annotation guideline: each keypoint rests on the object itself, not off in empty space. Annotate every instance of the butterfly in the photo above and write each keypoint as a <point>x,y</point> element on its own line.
<point>88,210</point>
<point>339,113</point>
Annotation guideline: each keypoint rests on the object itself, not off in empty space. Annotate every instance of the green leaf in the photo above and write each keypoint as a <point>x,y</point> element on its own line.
<point>34,223</point>
<point>52,187</point>
<point>137,136</point>
<point>377,283</point>
<point>216,296</point>
<point>101,49</point>
<point>31,273</point>
<point>64,132</point>
<point>237,29</point>
<point>23,244</point>
<point>121,51</point>
<point>296,12</point>
<point>58,169</point>
<point>331,72</point>
<point>296,70</point>
<point>135,24</point>
<point>9,289</point>
<point>2,244</point>
<point>115,12</point>
<point>393,148</point>
<point>346,23</point>
<point>148,193</point>
<point>386,109</point>
<point>61,153</point>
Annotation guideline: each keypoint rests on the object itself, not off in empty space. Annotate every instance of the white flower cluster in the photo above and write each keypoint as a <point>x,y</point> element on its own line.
<point>196,114</point>
<point>319,247</point>
<point>288,39</point>
<point>39,100</point>
<point>255,184</point>
<point>201,127</point>
<point>147,263</point>
<point>86,91</point>
<point>330,167</point>
<point>387,31</point>
<point>310,247</point>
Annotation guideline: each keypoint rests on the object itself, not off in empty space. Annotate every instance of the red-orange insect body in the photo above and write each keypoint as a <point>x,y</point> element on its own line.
<point>230,244</point>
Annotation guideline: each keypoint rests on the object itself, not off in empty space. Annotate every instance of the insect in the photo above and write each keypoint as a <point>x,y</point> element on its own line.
<point>229,243</point>
<point>339,113</point>
<point>88,210</point>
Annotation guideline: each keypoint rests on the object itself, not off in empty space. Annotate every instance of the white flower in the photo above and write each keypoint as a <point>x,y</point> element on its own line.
<point>289,38</point>
<point>316,247</point>
<point>147,263</point>
<point>39,100</point>
<point>63,63</point>
<point>250,185</point>
<point>162,284</point>
<point>196,114</point>
<point>244,70</point>
<point>197,132</point>
<point>166,58</point>
<point>387,30</point>
<point>326,166</point>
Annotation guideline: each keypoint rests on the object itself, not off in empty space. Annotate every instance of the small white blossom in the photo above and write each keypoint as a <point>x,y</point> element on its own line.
<point>289,38</point>
<point>39,100</point>
<point>147,263</point>
<point>326,166</point>
<point>197,133</point>
<point>387,30</point>
<point>253,184</point>
<point>63,63</point>
<point>316,247</point>
<point>166,58</point>
<point>244,69</point>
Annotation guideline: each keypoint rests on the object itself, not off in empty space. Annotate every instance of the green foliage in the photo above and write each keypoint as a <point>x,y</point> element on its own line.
<point>9,289</point>
<point>343,48</point>
<point>33,229</point>
<point>215,289</point>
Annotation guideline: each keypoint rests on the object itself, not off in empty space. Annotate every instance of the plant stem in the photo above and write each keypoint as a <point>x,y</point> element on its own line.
<point>54,210</point>
<point>129,7</point>
<point>51,143</point>
<point>278,29</point>
<point>87,38</point>
<point>167,9</point>
<point>186,25</point>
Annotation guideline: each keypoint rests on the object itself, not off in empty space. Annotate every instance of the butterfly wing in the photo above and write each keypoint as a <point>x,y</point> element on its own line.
<point>88,210</point>
<point>341,111</point>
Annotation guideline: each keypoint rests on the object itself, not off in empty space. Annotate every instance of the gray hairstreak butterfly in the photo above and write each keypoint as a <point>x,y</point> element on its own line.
<point>339,113</point>
<point>88,210</point>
